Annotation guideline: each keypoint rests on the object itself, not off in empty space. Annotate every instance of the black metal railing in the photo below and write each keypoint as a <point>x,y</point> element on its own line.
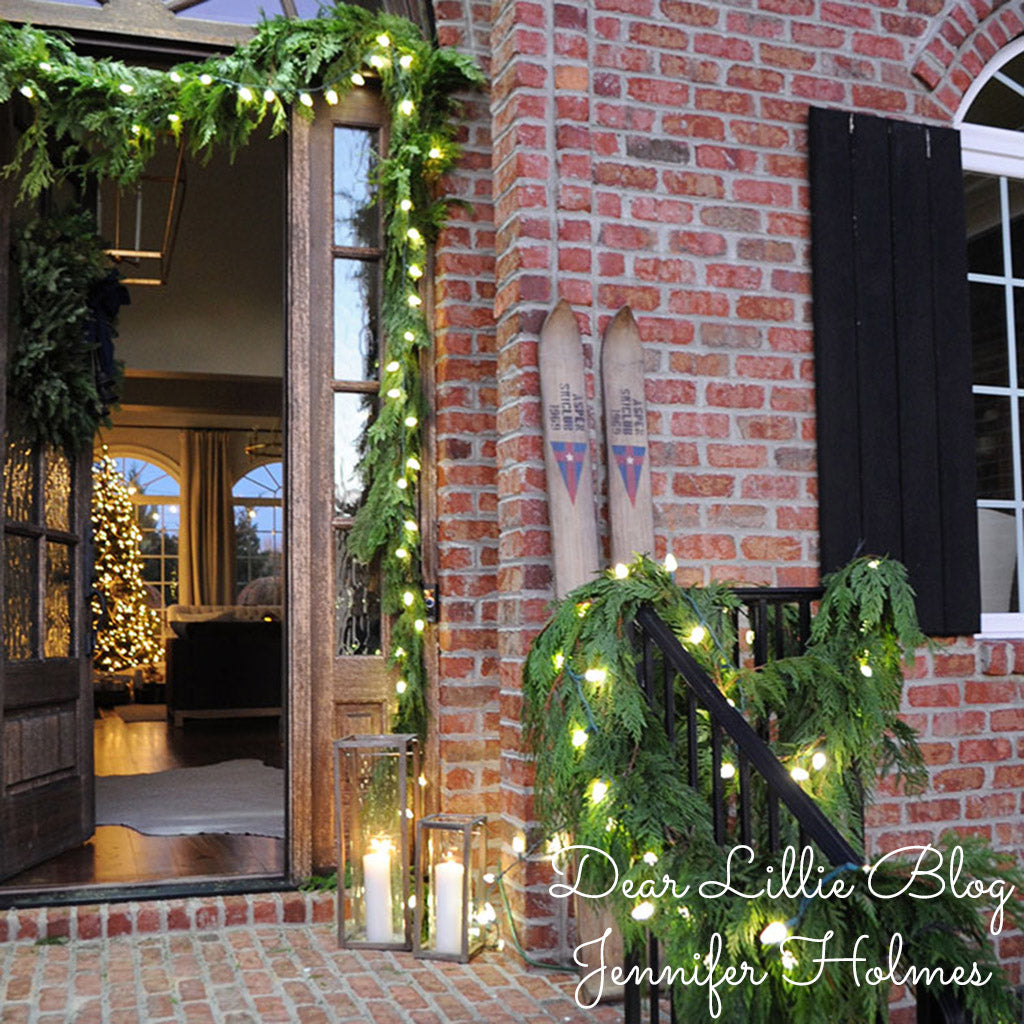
<point>771,624</point>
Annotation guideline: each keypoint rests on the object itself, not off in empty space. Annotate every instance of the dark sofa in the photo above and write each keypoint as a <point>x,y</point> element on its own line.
<point>224,669</point>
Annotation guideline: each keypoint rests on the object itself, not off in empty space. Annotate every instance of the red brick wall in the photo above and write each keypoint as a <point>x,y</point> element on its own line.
<point>653,152</point>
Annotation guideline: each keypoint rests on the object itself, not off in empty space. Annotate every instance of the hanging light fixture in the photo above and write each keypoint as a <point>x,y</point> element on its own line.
<point>142,221</point>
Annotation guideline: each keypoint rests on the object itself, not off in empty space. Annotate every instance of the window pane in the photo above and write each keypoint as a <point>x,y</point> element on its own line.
<point>997,548</point>
<point>57,608</point>
<point>356,300</point>
<point>258,545</point>
<point>988,331</point>
<point>356,602</point>
<point>999,104</point>
<point>993,436</point>
<point>19,481</point>
<point>351,422</point>
<point>264,481</point>
<point>20,576</point>
<point>57,490</point>
<point>984,225</point>
<point>1015,190</point>
<point>356,216</point>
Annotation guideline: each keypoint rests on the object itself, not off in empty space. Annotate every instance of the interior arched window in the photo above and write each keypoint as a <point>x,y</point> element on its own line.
<point>156,495</point>
<point>259,533</point>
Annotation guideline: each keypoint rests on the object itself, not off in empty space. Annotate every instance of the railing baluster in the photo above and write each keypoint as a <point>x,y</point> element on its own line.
<point>759,623</point>
<point>746,830</point>
<point>693,775</point>
<point>805,621</point>
<point>773,821</point>
<point>780,631</point>
<point>717,789</point>
<point>646,669</point>
<point>668,683</point>
<point>631,992</point>
<point>652,962</point>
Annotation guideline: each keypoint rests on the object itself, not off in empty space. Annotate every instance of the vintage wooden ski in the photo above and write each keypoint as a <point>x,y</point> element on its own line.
<point>567,452</point>
<point>630,508</point>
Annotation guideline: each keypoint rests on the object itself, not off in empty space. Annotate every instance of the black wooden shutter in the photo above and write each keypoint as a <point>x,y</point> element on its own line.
<point>896,473</point>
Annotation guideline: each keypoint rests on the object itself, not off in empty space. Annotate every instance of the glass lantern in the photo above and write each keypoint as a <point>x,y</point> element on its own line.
<point>377,797</point>
<point>452,914</point>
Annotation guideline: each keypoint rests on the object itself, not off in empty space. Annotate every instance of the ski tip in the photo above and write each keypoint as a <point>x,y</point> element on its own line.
<point>623,320</point>
<point>561,318</point>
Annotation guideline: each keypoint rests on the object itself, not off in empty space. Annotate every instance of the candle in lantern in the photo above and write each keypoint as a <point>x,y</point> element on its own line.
<point>377,886</point>
<point>448,875</point>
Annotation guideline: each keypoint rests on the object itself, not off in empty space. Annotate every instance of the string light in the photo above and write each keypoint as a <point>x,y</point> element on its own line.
<point>127,88</point>
<point>406,107</point>
<point>393,367</point>
<point>401,483</point>
<point>819,760</point>
<point>176,78</point>
<point>414,236</point>
<point>411,421</point>
<point>596,675</point>
<point>670,562</point>
<point>414,464</point>
<point>405,61</point>
<point>401,553</point>
<point>598,790</point>
<point>728,770</point>
<point>27,91</point>
<point>405,205</point>
<point>377,61</point>
<point>409,336</point>
<point>774,933</point>
<point>206,79</point>
<point>579,738</point>
<point>401,686</point>
<point>394,392</point>
<point>415,301</point>
<point>419,625</point>
<point>434,153</point>
<point>558,660</point>
<point>799,774</point>
<point>357,79</point>
<point>621,570</point>
<point>643,911</point>
<point>697,635</point>
<point>305,99</point>
<point>384,40</point>
<point>245,94</point>
<point>332,97</point>
<point>415,271</point>
<point>866,670</point>
<point>269,95</point>
<point>650,858</point>
<point>519,844</point>
<point>408,598</point>
<point>410,524</point>
<point>173,118</point>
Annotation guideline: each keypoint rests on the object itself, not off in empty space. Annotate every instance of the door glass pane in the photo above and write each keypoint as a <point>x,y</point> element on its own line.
<point>19,481</point>
<point>993,436</point>
<point>356,216</point>
<point>1015,190</point>
<point>988,331</point>
<point>351,421</point>
<point>984,224</point>
<point>57,608</point>
<point>57,490</point>
<point>20,576</point>
<point>356,300</point>
<point>356,602</point>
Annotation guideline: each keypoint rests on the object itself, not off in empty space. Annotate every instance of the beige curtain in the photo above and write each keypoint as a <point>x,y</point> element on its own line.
<point>206,552</point>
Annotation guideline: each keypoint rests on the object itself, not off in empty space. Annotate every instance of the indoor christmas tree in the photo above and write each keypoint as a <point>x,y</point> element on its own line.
<point>128,628</point>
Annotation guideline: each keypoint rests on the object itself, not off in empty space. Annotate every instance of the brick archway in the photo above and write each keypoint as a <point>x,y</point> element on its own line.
<point>961,42</point>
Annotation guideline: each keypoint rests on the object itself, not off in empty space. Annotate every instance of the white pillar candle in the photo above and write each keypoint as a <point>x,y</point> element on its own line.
<point>448,876</point>
<point>377,886</point>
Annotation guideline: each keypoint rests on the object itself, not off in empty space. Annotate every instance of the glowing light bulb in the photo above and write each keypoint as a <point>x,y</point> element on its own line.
<point>206,79</point>
<point>384,39</point>
<point>749,637</point>
<point>558,660</point>
<point>598,790</point>
<point>519,844</point>
<point>595,675</point>
<point>176,78</point>
<point>27,91</point>
<point>867,671</point>
<point>419,625</point>
<point>401,483</point>
<point>414,236</point>
<point>728,770</point>
<point>332,97</point>
<point>393,367</point>
<point>414,464</point>
<point>127,88</point>
<point>873,564</point>
<point>650,858</point>
<point>399,652</point>
<point>415,301</point>
<point>434,153</point>
<point>173,118</point>
<point>405,61</point>
<point>415,271</point>
<point>670,562</point>
<point>406,107</point>
<point>401,686</point>
<point>269,95</point>
<point>408,598</point>
<point>799,774</point>
<point>45,66</point>
<point>411,421</point>
<point>409,336</point>
<point>410,524</point>
<point>401,553</point>
<point>357,79</point>
<point>579,738</point>
<point>305,99</point>
<point>642,911</point>
<point>819,760</point>
<point>775,933</point>
<point>405,205</point>
<point>377,61</point>
<point>489,878</point>
<point>621,570</point>
<point>697,635</point>
<point>422,780</point>
<point>394,392</point>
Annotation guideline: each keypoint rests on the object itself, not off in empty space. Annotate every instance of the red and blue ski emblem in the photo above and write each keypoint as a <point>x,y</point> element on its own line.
<point>570,455</point>
<point>630,460</point>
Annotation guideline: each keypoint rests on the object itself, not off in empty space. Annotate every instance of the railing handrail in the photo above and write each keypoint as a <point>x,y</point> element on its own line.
<point>809,816</point>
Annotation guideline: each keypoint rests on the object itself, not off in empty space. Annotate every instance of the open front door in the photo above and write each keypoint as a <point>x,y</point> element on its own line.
<point>46,770</point>
<point>340,684</point>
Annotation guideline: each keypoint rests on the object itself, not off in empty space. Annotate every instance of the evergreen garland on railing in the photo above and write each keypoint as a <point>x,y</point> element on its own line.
<point>93,118</point>
<point>607,776</point>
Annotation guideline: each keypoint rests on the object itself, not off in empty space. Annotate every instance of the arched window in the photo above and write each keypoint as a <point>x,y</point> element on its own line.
<point>258,525</point>
<point>157,495</point>
<point>991,119</point>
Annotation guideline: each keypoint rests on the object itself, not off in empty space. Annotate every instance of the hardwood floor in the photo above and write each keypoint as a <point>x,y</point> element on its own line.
<point>122,856</point>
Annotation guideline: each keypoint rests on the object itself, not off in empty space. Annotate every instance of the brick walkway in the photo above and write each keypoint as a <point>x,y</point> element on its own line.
<point>261,972</point>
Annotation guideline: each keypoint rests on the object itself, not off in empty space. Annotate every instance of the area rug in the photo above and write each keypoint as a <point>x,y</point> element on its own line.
<point>141,712</point>
<point>242,797</point>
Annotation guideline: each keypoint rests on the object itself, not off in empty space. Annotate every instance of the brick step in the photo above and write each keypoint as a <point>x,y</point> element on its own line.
<point>181,914</point>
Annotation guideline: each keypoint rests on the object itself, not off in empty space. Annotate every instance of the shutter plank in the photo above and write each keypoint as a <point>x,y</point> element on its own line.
<point>955,435</point>
<point>838,413</point>
<point>878,389</point>
<point>921,518</point>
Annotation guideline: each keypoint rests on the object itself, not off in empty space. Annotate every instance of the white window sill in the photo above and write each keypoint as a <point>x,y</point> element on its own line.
<point>1001,626</point>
